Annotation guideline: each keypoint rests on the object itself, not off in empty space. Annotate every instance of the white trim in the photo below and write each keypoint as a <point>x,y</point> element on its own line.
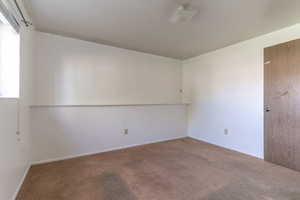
<point>103,151</point>
<point>104,105</point>
<point>224,147</point>
<point>9,98</point>
<point>21,183</point>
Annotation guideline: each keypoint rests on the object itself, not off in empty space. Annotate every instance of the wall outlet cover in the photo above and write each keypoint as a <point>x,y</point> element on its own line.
<point>226,132</point>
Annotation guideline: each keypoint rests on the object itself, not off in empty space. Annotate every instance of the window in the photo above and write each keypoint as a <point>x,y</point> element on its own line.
<point>9,60</point>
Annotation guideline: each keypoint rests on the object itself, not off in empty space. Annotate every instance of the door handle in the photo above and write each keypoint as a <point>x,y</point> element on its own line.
<point>267,109</point>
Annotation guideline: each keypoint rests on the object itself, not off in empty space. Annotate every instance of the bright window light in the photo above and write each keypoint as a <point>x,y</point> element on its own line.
<point>9,60</point>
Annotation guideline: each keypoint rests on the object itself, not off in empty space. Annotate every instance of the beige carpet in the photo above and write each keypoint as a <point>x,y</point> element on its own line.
<point>183,169</point>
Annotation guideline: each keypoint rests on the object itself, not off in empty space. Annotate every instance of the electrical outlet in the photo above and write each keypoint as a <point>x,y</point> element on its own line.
<point>125,131</point>
<point>226,131</point>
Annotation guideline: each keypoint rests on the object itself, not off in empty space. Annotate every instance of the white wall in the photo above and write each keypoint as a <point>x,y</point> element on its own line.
<point>75,72</point>
<point>11,157</point>
<point>71,74</point>
<point>225,88</point>
<point>15,156</point>
<point>60,132</point>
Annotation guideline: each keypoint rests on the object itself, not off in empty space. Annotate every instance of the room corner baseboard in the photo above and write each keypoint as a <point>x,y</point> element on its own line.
<point>21,182</point>
<point>103,151</point>
<point>231,149</point>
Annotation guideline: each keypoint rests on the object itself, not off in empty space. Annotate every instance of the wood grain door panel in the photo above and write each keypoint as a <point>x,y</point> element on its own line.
<point>282,98</point>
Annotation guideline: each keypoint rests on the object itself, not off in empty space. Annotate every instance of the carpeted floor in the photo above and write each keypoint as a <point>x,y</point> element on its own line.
<point>184,169</point>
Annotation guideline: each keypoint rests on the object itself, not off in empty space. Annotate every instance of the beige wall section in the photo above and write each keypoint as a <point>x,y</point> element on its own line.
<point>225,88</point>
<point>75,72</point>
<point>15,156</point>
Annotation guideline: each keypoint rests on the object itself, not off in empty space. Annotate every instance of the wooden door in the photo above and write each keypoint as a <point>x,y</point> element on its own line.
<point>282,104</point>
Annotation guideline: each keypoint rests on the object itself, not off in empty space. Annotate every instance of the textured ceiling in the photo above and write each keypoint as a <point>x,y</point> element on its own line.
<point>143,25</point>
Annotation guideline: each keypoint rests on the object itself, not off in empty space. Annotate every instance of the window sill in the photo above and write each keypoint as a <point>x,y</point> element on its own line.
<point>12,98</point>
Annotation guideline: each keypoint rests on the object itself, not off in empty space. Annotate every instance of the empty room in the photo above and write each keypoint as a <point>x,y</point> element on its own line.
<point>149,100</point>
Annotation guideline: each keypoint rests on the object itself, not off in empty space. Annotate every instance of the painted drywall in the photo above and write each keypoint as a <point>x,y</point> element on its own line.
<point>11,157</point>
<point>15,155</point>
<point>63,132</point>
<point>225,89</point>
<point>75,72</point>
<point>71,75</point>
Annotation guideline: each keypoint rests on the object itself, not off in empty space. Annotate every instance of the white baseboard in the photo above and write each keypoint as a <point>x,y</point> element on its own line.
<point>103,151</point>
<point>21,182</point>
<point>231,149</point>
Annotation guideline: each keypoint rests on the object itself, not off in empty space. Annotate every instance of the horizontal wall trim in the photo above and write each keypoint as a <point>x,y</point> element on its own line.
<point>103,151</point>
<point>106,105</point>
